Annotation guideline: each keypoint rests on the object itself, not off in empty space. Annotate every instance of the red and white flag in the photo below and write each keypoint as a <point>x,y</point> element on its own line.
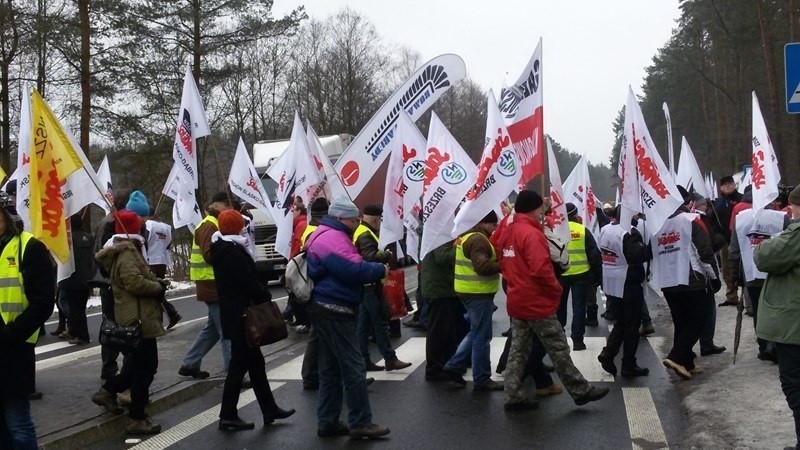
<point>330,181</point>
<point>245,183</point>
<point>407,145</point>
<point>522,108</point>
<point>364,156</point>
<point>296,175</point>
<point>578,190</point>
<point>765,174</point>
<point>646,185</point>
<point>689,175</point>
<point>449,174</point>
<point>498,172</point>
<point>558,206</point>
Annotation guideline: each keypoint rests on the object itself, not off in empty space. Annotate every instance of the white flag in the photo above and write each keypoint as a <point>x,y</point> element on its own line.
<point>414,168</point>
<point>616,198</point>
<point>192,124</point>
<point>23,159</point>
<point>558,206</point>
<point>296,175</point>
<point>449,174</point>
<point>185,211</point>
<point>104,175</point>
<point>330,180</point>
<point>689,175</point>
<point>578,190</point>
<point>366,153</point>
<point>765,175</point>
<point>245,183</point>
<point>646,184</point>
<point>498,172</point>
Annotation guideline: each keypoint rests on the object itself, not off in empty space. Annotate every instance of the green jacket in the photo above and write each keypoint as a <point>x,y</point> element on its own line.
<point>136,290</point>
<point>779,305</point>
<point>437,272</point>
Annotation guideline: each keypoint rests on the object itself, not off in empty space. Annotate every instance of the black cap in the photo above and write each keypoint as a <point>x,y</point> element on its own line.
<point>490,218</point>
<point>373,210</point>
<point>528,201</point>
<point>571,209</point>
<point>319,206</point>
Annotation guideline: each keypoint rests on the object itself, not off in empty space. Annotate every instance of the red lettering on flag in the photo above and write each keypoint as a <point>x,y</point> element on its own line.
<point>647,168</point>
<point>759,179</point>
<point>432,164</point>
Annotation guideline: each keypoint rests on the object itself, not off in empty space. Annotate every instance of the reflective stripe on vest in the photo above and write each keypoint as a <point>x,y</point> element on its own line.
<point>12,294</point>
<point>578,262</point>
<point>306,233</point>
<point>199,269</point>
<point>467,281</point>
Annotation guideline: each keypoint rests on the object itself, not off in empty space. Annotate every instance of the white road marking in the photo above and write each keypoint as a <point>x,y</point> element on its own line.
<point>496,346</point>
<point>586,360</point>
<point>52,347</point>
<point>643,422</point>
<point>413,351</point>
<point>59,360</point>
<point>287,371</point>
<point>194,424</point>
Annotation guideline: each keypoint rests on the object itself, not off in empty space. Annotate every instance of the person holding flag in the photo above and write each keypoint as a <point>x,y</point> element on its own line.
<point>585,269</point>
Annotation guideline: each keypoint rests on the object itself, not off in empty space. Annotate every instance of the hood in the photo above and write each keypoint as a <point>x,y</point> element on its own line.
<point>220,248</point>
<point>108,255</point>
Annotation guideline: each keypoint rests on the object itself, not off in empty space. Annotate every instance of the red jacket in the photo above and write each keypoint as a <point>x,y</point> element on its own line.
<point>533,292</point>
<point>299,226</point>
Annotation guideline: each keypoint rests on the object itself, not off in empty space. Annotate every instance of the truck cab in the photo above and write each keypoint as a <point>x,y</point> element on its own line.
<point>269,263</point>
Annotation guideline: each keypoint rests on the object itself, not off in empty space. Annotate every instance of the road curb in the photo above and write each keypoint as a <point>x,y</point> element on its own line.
<point>106,425</point>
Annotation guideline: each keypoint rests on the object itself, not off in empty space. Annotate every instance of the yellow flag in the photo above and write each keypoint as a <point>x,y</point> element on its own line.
<point>53,159</point>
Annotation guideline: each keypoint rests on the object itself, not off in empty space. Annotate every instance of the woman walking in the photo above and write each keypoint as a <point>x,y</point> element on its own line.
<point>238,287</point>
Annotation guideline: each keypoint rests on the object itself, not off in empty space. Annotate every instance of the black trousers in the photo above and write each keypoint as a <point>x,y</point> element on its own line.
<point>245,359</point>
<point>446,329</point>
<point>625,334</point>
<point>789,369</point>
<point>755,295</point>
<point>108,355</point>
<point>688,310</point>
<point>310,370</point>
<point>77,299</point>
<point>299,310</point>
<point>142,367</point>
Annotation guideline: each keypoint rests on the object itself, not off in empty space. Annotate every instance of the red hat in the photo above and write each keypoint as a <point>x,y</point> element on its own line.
<point>127,222</point>
<point>231,222</point>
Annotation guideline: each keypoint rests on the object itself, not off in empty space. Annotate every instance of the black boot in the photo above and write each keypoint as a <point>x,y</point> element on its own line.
<point>591,315</point>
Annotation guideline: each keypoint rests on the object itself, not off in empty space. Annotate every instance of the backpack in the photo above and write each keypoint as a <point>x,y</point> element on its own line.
<point>298,283</point>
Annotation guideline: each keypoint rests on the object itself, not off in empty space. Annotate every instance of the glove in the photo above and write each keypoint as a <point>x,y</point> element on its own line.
<point>716,284</point>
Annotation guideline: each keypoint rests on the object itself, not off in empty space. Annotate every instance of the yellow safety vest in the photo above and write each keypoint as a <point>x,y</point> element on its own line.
<point>467,281</point>
<point>578,262</point>
<point>199,269</point>
<point>306,233</point>
<point>364,229</point>
<point>12,291</point>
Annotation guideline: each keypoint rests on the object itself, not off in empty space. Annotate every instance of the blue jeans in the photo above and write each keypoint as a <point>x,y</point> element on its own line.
<point>475,344</point>
<point>205,341</point>
<point>578,285</point>
<point>371,319</point>
<point>17,427</point>
<point>342,372</point>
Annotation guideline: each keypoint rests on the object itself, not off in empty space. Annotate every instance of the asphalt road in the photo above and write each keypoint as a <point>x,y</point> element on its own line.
<point>638,413</point>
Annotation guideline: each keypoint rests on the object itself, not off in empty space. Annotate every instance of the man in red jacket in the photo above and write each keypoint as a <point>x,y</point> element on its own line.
<point>533,296</point>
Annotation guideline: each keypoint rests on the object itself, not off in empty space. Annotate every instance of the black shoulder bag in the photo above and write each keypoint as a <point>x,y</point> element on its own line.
<point>122,339</point>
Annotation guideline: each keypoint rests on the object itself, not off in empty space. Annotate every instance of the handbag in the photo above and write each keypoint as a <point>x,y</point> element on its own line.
<point>264,324</point>
<point>394,291</point>
<point>122,339</point>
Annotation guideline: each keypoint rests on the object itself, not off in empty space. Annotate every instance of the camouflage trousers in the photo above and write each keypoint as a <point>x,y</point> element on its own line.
<point>555,343</point>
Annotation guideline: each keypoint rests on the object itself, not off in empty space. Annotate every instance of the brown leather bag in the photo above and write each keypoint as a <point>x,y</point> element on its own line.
<point>263,324</point>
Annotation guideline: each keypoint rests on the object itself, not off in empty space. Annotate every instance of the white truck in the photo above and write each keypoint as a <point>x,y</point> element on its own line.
<point>269,263</point>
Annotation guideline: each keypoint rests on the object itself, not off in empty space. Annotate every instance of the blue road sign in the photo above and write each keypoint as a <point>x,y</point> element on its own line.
<point>791,60</point>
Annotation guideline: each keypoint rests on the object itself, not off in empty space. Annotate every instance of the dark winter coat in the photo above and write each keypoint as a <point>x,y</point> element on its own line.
<point>437,272</point>
<point>82,249</point>
<point>237,286</point>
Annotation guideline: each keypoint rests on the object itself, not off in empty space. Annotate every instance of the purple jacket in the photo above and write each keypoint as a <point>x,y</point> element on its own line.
<point>336,267</point>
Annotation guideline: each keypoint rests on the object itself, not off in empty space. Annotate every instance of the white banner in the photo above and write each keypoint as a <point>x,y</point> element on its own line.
<point>192,124</point>
<point>23,171</point>
<point>765,175</point>
<point>414,168</point>
<point>449,174</point>
<point>245,183</point>
<point>366,153</point>
<point>558,206</point>
<point>670,151</point>
<point>104,175</point>
<point>329,179</point>
<point>646,184</point>
<point>296,175</point>
<point>689,175</point>
<point>578,190</point>
<point>498,172</point>
<point>523,111</point>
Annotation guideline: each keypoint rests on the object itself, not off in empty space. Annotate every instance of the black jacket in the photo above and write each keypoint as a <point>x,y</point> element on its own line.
<point>82,249</point>
<point>636,255</point>
<point>237,286</point>
<point>722,209</point>
<point>17,357</point>
<point>368,247</point>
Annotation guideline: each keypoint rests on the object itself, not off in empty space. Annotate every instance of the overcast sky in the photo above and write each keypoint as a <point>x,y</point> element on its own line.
<point>592,50</point>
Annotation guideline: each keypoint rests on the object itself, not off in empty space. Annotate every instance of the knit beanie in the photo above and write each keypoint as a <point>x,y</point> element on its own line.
<point>319,206</point>
<point>127,222</point>
<point>343,208</point>
<point>794,196</point>
<point>231,222</point>
<point>373,210</point>
<point>138,204</point>
<point>571,209</point>
<point>528,201</point>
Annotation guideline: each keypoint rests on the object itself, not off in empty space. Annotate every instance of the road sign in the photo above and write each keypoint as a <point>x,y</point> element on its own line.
<point>791,60</point>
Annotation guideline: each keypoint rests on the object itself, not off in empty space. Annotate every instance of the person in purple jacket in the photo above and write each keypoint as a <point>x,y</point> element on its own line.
<point>339,274</point>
